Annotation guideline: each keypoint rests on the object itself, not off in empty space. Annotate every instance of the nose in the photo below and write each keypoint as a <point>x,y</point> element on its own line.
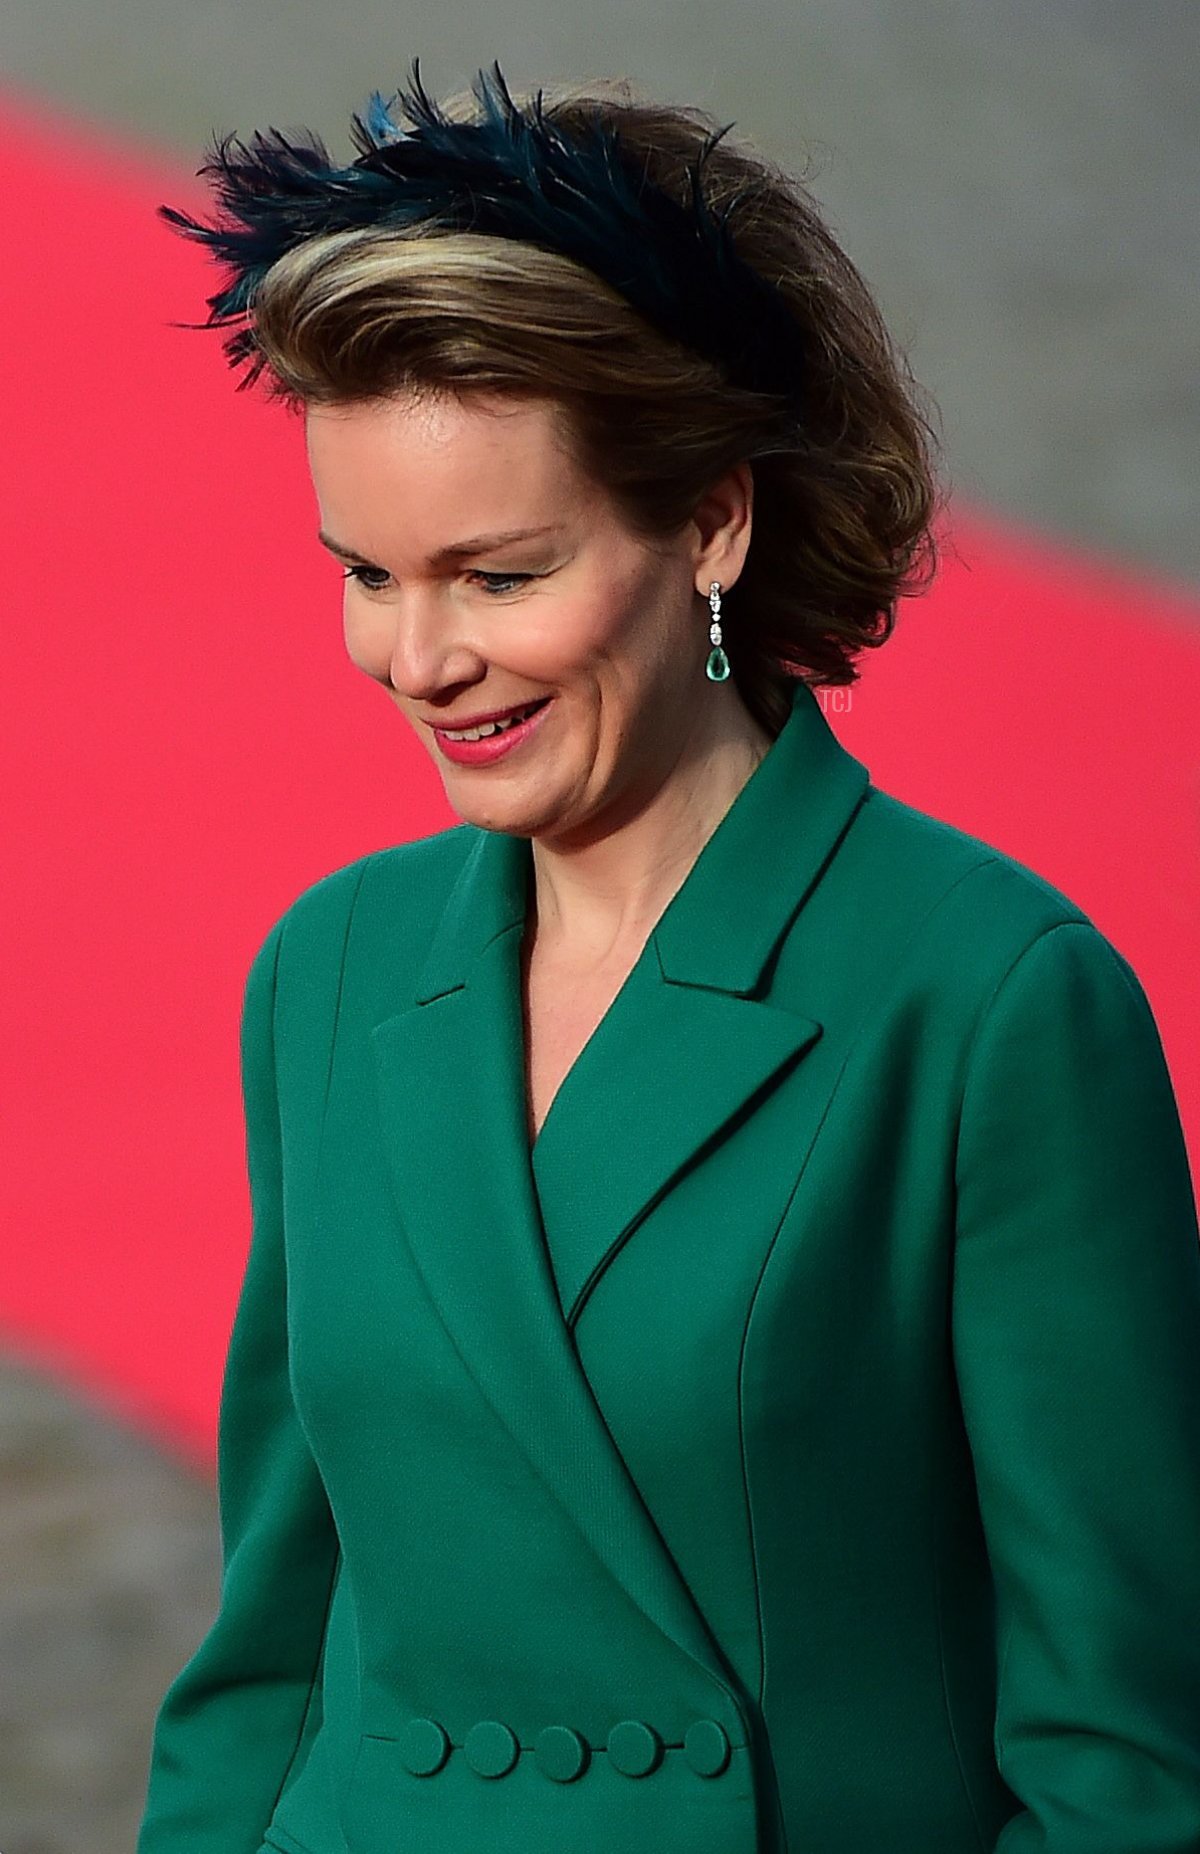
<point>427,651</point>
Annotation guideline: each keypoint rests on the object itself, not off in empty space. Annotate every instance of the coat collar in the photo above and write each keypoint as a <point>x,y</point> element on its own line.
<point>687,1042</point>
<point>752,875</point>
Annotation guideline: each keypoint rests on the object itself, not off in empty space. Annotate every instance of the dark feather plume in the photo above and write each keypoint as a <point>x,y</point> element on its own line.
<point>510,174</point>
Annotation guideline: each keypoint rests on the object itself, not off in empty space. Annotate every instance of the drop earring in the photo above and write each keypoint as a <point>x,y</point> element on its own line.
<point>717,668</point>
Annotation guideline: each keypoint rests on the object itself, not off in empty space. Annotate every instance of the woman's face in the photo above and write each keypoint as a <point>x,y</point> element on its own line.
<point>612,628</point>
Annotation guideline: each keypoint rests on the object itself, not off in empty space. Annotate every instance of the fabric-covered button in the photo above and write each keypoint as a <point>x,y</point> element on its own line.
<point>491,1748</point>
<point>424,1747</point>
<point>706,1747</point>
<point>561,1753</point>
<point>634,1747</point>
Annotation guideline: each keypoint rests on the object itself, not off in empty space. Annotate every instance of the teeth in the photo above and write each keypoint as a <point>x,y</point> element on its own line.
<point>489,727</point>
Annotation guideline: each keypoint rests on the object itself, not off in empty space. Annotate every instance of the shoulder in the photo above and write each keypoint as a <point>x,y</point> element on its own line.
<point>314,927</point>
<point>942,859</point>
<point>965,910</point>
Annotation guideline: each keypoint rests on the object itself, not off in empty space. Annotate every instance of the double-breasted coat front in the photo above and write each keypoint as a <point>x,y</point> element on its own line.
<point>798,1452</point>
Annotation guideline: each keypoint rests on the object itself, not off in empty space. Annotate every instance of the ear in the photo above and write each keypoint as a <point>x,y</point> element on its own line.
<point>722,524</point>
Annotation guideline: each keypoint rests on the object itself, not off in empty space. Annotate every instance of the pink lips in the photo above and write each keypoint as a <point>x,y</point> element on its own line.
<point>496,746</point>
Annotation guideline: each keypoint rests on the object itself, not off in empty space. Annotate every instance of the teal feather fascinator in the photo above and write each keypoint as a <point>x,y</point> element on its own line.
<point>510,173</point>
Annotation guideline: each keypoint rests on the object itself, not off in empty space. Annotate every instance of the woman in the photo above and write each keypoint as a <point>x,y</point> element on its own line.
<point>718,1366</point>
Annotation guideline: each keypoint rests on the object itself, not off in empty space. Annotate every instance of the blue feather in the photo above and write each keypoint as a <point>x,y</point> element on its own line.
<point>512,174</point>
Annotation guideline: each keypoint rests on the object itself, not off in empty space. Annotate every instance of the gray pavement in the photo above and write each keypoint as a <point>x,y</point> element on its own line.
<point>109,1575</point>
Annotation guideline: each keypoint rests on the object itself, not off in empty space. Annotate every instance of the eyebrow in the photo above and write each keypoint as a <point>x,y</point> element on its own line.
<point>477,544</point>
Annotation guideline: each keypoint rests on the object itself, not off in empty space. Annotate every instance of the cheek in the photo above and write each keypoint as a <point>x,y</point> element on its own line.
<point>367,636</point>
<point>605,620</point>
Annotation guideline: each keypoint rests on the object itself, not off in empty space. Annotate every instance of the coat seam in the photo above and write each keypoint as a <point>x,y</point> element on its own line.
<point>337,1557</point>
<point>333,1029</point>
<point>985,1008</point>
<point>958,1758</point>
<point>286,1843</point>
<point>1075,920</point>
<point>981,863</point>
<point>312,1685</point>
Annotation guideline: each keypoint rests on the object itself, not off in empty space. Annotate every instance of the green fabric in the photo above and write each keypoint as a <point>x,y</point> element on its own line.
<point>682,1487</point>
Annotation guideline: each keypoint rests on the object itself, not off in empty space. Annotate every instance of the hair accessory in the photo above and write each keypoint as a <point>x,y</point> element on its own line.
<point>717,667</point>
<point>511,174</point>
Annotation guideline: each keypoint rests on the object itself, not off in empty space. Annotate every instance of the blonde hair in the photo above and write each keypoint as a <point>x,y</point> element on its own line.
<point>844,484</point>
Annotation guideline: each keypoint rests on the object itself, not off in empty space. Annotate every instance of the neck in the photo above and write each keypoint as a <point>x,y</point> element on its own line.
<point>596,896</point>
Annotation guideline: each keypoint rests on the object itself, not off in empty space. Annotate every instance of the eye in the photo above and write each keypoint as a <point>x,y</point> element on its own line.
<point>495,582</point>
<point>359,573</point>
<point>506,580</point>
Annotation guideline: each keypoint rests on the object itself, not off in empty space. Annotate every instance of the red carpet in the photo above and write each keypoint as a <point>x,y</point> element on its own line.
<point>187,746</point>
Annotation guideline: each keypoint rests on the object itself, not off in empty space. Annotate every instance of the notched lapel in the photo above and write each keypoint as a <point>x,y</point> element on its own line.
<point>686,1047</point>
<point>450,1074</point>
<point>668,1073</point>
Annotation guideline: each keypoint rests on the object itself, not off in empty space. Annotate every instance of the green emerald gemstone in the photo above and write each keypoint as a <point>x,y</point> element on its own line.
<point>718,665</point>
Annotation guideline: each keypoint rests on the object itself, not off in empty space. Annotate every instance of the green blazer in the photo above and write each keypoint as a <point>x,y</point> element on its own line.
<point>798,1451</point>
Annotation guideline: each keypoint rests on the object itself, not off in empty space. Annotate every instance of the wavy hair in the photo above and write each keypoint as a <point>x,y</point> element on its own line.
<point>845,486</point>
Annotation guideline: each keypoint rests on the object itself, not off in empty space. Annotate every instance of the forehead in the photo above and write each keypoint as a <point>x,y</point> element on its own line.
<point>440,440</point>
<point>423,471</point>
<point>416,475</point>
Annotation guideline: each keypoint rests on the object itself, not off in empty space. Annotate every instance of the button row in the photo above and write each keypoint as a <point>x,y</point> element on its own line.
<point>491,1749</point>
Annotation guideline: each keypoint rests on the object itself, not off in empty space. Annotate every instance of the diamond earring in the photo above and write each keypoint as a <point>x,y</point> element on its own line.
<point>717,667</point>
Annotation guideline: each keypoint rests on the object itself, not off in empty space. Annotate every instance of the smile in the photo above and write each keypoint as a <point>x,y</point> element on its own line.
<point>496,740</point>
